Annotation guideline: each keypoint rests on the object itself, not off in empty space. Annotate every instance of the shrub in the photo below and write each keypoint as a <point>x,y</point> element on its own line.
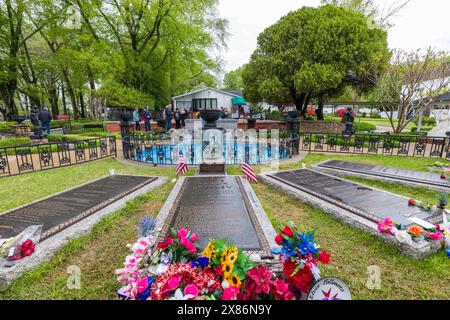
<point>364,126</point>
<point>423,128</point>
<point>11,142</point>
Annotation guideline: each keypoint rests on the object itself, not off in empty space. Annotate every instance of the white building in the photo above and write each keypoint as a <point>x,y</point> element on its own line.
<point>210,98</point>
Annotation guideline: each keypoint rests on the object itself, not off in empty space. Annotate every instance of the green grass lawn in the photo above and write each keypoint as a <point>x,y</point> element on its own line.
<point>103,250</point>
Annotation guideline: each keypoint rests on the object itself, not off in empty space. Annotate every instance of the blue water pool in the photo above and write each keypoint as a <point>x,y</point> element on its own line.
<point>232,153</point>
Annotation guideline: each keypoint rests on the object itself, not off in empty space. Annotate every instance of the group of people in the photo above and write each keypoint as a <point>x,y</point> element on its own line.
<point>145,117</point>
<point>178,115</point>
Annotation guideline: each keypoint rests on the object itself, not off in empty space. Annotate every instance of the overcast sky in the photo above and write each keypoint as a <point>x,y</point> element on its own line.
<point>421,24</point>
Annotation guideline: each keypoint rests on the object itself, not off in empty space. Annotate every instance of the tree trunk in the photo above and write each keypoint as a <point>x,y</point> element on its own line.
<point>83,111</point>
<point>319,111</point>
<point>63,94</point>
<point>94,103</point>
<point>72,95</point>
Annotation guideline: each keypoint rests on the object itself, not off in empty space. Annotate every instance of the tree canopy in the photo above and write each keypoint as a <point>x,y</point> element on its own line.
<point>95,53</point>
<point>314,53</point>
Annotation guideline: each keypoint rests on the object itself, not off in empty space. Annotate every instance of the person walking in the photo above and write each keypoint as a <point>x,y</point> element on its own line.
<point>147,116</point>
<point>137,119</point>
<point>46,118</point>
<point>168,115</point>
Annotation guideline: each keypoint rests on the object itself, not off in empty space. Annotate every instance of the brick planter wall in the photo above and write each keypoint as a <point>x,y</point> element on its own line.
<point>321,127</point>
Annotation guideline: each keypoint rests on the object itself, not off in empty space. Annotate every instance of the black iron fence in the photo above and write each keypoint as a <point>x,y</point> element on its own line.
<point>29,158</point>
<point>388,145</point>
<point>259,149</point>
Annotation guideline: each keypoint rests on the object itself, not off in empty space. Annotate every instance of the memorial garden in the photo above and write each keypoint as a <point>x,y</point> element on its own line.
<point>129,197</point>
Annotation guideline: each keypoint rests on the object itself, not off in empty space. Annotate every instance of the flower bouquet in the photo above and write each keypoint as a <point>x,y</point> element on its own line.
<point>408,235</point>
<point>300,256</point>
<point>175,269</point>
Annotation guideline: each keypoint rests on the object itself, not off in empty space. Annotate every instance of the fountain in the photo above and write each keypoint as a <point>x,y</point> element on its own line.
<point>213,161</point>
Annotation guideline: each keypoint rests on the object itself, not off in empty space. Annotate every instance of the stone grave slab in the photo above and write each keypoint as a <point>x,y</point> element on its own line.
<point>400,175</point>
<point>218,207</point>
<point>356,205</point>
<point>372,204</point>
<point>65,209</point>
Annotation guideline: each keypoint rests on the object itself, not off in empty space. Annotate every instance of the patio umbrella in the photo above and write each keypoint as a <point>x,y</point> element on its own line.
<point>238,101</point>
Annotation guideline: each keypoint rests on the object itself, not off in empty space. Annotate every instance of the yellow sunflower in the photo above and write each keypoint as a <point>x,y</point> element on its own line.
<point>233,280</point>
<point>229,255</point>
<point>232,255</point>
<point>209,251</point>
<point>227,268</point>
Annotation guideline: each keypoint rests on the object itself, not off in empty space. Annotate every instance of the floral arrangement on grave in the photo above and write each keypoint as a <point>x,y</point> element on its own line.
<point>300,256</point>
<point>408,235</point>
<point>176,269</point>
<point>420,204</point>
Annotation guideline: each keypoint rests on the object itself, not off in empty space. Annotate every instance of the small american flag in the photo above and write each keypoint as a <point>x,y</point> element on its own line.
<point>249,173</point>
<point>182,166</point>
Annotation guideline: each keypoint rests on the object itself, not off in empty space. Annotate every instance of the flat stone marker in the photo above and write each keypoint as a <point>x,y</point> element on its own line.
<point>388,172</point>
<point>65,209</point>
<point>216,207</point>
<point>371,204</point>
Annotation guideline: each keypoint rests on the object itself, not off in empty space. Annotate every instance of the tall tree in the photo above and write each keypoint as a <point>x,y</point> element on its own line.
<point>233,79</point>
<point>314,53</point>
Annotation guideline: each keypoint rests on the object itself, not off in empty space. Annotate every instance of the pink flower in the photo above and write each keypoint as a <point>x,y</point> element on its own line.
<point>386,226</point>
<point>193,237</point>
<point>131,261</point>
<point>188,245</point>
<point>142,285</point>
<point>182,233</point>
<point>435,236</point>
<point>173,283</point>
<point>230,293</point>
<point>191,290</point>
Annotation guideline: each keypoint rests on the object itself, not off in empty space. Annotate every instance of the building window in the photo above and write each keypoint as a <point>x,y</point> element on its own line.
<point>202,104</point>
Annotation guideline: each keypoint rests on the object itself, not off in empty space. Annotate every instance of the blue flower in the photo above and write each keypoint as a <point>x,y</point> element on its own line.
<point>201,262</point>
<point>146,226</point>
<point>288,250</point>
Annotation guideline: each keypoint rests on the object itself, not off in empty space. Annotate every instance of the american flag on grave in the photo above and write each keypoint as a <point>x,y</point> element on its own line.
<point>182,167</point>
<point>249,173</point>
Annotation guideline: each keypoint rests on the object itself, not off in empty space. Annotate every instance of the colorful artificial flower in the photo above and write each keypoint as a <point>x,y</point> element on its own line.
<point>403,236</point>
<point>324,257</point>
<point>301,278</point>
<point>209,251</point>
<point>233,280</point>
<point>165,244</point>
<point>412,202</point>
<point>279,239</point>
<point>27,248</point>
<point>227,268</point>
<point>231,254</point>
<point>281,290</point>
<point>386,226</point>
<point>288,231</point>
<point>260,279</point>
<point>435,236</point>
<point>230,293</point>
<point>416,231</point>
<point>191,291</point>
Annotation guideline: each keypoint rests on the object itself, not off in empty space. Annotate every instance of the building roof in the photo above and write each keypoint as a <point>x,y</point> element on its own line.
<point>444,97</point>
<point>204,89</point>
<point>235,92</point>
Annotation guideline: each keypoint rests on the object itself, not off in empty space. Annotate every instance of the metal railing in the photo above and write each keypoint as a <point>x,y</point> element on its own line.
<point>388,145</point>
<point>145,148</point>
<point>29,158</point>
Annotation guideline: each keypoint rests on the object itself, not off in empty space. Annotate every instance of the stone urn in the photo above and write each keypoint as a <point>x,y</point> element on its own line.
<point>251,122</point>
<point>210,117</point>
<point>18,119</point>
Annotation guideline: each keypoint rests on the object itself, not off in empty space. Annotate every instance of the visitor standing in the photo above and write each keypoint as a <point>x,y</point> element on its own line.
<point>137,119</point>
<point>184,116</point>
<point>177,116</point>
<point>147,116</point>
<point>222,113</point>
<point>168,115</point>
<point>46,118</point>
